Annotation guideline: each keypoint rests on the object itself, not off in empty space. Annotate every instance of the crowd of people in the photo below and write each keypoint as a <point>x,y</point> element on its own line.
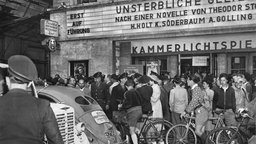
<point>166,97</point>
<point>169,98</point>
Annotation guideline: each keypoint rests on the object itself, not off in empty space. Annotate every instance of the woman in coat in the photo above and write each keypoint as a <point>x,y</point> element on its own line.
<point>178,101</point>
<point>155,98</point>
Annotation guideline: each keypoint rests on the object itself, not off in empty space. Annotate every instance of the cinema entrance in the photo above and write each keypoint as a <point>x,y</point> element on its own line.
<point>196,64</point>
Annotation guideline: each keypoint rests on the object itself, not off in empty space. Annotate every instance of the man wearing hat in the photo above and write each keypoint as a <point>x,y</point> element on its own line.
<point>117,94</point>
<point>145,92</point>
<point>99,91</point>
<point>165,90</point>
<point>115,82</point>
<point>25,119</point>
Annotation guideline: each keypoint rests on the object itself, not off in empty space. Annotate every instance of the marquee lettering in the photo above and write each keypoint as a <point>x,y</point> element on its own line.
<point>197,46</point>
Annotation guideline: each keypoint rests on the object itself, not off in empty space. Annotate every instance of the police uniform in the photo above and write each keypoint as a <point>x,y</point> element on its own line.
<point>24,119</point>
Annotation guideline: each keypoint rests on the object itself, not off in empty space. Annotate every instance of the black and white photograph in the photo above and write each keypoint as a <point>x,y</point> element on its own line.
<point>127,71</point>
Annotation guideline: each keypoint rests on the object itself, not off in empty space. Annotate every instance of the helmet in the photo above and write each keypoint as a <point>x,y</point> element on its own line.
<point>22,68</point>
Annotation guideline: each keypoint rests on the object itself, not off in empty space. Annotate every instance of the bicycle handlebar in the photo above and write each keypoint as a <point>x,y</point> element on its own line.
<point>189,116</point>
<point>246,115</point>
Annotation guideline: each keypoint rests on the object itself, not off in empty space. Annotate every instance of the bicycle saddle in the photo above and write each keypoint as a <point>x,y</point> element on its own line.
<point>149,113</point>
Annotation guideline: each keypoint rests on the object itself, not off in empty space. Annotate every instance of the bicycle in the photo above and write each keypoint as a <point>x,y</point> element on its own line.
<point>230,134</point>
<point>219,121</point>
<point>185,133</point>
<point>182,133</point>
<point>152,131</point>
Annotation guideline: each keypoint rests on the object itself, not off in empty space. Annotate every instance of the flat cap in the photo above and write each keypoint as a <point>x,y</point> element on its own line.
<point>22,68</point>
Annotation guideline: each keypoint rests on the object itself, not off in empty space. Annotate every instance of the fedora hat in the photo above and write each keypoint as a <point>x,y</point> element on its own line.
<point>97,74</point>
<point>114,76</point>
<point>22,68</point>
<point>123,75</point>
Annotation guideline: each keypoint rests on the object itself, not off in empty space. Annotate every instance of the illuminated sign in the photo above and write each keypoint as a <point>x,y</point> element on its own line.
<point>145,17</point>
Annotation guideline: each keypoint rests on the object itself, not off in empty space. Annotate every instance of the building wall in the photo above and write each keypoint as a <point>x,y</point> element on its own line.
<point>98,52</point>
<point>96,45</point>
<point>57,3</point>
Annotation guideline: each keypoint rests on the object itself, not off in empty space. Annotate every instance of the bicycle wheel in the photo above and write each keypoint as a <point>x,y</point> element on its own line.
<point>181,134</point>
<point>155,131</point>
<point>224,135</point>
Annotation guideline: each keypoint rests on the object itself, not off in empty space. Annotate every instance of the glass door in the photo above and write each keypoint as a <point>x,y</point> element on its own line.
<point>195,64</point>
<point>238,64</point>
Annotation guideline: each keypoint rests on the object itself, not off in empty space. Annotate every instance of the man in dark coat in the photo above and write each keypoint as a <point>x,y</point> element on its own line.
<point>117,94</point>
<point>24,119</point>
<point>145,92</point>
<point>164,97</point>
<point>99,91</point>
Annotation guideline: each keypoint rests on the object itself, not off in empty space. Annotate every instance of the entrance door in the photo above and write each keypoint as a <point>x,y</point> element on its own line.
<point>195,64</point>
<point>161,63</point>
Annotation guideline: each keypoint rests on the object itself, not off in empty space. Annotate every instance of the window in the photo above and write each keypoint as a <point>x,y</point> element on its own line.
<point>85,1</point>
<point>46,98</point>
<point>91,100</point>
<point>254,65</point>
<point>82,101</point>
<point>163,66</point>
<point>238,64</point>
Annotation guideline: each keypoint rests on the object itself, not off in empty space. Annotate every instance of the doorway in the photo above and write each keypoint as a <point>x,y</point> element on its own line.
<point>194,64</point>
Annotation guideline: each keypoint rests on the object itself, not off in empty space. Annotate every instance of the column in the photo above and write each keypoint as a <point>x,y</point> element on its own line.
<point>172,65</point>
<point>222,63</point>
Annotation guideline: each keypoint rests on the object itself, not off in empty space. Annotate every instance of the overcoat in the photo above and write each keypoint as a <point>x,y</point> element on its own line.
<point>25,119</point>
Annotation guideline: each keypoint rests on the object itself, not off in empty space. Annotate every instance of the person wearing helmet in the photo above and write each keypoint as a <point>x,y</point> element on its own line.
<point>25,119</point>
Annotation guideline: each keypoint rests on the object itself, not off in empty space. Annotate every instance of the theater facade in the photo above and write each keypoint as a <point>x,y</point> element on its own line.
<point>176,36</point>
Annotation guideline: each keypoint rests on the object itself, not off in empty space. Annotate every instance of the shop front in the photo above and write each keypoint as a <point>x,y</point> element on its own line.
<point>188,36</point>
<point>196,54</point>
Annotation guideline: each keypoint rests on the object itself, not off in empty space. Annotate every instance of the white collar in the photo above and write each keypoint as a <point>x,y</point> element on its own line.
<point>115,83</point>
<point>195,85</point>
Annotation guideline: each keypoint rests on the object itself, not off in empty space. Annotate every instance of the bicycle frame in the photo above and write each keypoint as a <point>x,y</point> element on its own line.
<point>235,134</point>
<point>220,122</point>
<point>146,121</point>
<point>182,135</point>
<point>150,123</point>
<point>189,124</point>
<point>239,132</point>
